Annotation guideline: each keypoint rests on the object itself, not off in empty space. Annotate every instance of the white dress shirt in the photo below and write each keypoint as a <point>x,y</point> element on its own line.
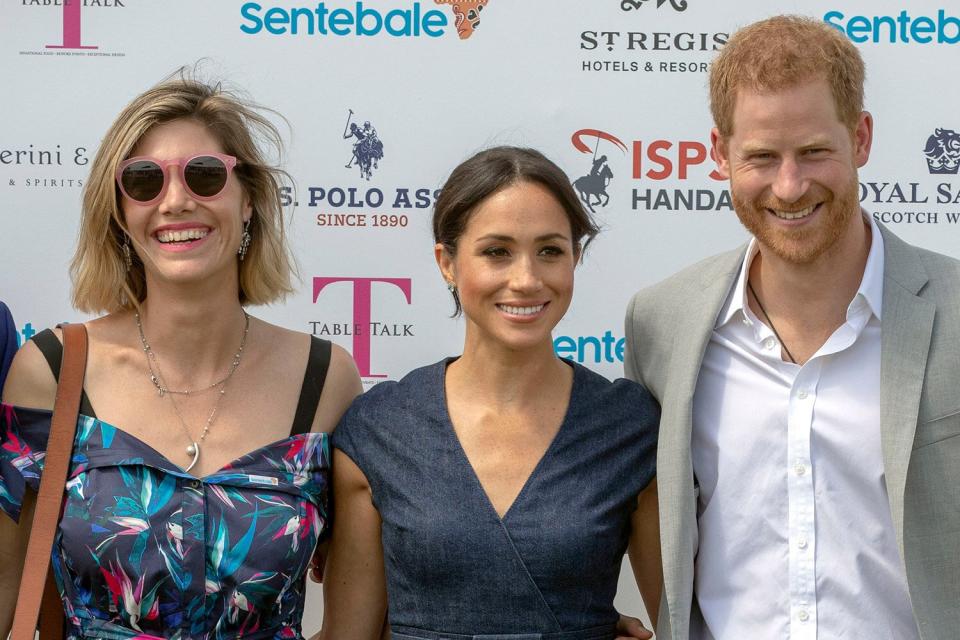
<point>796,537</point>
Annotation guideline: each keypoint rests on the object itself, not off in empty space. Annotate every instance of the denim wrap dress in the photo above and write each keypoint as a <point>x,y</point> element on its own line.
<point>546,570</point>
<point>146,550</point>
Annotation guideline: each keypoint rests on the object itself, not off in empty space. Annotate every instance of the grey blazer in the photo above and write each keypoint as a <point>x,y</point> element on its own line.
<point>668,327</point>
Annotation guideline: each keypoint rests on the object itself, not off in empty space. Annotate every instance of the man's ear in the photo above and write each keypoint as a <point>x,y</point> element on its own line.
<point>720,152</point>
<point>863,138</point>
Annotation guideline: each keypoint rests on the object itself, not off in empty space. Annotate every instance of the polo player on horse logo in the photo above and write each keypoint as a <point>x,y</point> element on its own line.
<point>594,184</point>
<point>367,150</point>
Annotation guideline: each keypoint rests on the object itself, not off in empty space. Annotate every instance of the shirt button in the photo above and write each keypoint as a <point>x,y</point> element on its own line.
<point>802,543</point>
<point>769,343</point>
<point>194,484</point>
<point>803,615</point>
<point>802,394</point>
<point>800,468</point>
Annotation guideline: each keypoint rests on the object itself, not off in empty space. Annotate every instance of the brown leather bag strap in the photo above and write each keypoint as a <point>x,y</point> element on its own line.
<point>63,428</point>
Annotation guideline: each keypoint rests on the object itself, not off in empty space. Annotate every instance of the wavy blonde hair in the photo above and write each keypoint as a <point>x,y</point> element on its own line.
<point>101,280</point>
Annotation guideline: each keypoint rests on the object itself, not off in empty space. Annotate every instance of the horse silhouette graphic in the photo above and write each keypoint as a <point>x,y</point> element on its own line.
<point>367,150</point>
<point>592,188</point>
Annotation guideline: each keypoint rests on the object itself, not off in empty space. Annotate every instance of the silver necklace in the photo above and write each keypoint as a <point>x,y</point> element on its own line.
<point>156,377</point>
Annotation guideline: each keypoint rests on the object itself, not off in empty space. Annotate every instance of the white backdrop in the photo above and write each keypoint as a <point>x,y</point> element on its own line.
<point>621,78</point>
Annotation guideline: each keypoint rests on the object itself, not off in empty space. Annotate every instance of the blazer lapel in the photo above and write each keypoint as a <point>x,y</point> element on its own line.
<point>906,329</point>
<point>678,513</point>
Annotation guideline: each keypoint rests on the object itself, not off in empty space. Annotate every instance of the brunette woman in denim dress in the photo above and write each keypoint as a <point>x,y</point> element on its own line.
<point>493,495</point>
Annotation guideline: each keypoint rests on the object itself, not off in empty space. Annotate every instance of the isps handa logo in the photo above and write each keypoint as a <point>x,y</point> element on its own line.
<point>366,330</point>
<point>592,187</point>
<point>329,19</point>
<point>654,160</point>
<point>66,19</point>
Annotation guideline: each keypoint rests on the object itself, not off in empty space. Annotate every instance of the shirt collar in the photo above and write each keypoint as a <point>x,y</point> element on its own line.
<point>870,290</point>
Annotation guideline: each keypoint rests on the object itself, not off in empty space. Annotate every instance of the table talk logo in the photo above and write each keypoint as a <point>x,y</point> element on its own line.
<point>364,328</point>
<point>69,41</point>
<point>935,200</point>
<point>633,5</point>
<point>365,20</point>
<point>594,184</point>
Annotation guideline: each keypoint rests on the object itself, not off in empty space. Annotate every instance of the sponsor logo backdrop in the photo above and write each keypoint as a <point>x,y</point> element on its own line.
<point>384,97</point>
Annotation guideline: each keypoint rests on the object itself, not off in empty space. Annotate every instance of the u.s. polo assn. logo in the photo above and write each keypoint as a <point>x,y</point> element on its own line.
<point>943,152</point>
<point>367,147</point>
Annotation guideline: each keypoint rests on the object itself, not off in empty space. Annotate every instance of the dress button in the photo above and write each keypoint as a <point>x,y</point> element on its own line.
<point>803,615</point>
<point>769,343</point>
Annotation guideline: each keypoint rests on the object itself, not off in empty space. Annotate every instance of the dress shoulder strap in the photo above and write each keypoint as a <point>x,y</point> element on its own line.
<point>318,362</point>
<point>52,350</point>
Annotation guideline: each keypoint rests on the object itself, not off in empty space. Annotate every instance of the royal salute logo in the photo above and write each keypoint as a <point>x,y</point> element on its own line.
<point>943,152</point>
<point>932,201</point>
<point>367,147</point>
<point>592,187</point>
<point>633,5</point>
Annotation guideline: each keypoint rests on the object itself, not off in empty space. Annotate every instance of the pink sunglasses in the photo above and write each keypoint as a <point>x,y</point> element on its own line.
<point>144,179</point>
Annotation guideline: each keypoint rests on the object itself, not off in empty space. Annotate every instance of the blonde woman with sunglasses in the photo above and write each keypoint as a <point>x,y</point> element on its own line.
<point>199,480</point>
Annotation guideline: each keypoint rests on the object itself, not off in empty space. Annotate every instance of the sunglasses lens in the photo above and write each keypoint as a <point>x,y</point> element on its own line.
<point>206,176</point>
<point>142,181</point>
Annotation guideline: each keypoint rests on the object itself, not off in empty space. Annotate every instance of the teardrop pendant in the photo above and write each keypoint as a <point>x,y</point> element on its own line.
<point>193,449</point>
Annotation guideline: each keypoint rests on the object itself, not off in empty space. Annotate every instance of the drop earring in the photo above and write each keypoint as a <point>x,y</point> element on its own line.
<point>125,250</point>
<point>244,241</point>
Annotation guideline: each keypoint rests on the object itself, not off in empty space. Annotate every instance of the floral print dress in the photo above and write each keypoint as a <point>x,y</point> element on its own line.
<point>145,550</point>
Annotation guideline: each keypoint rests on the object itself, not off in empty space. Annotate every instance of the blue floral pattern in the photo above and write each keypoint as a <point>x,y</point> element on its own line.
<point>146,550</point>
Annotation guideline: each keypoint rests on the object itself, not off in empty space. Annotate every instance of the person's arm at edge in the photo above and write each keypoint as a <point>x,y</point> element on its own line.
<point>354,582</point>
<point>30,383</point>
<point>644,550</point>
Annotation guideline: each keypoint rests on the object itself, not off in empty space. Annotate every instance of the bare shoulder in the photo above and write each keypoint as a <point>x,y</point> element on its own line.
<point>341,386</point>
<point>30,382</point>
<point>342,382</point>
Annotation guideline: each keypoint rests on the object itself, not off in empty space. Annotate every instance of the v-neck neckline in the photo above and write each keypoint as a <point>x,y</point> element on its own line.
<point>465,459</point>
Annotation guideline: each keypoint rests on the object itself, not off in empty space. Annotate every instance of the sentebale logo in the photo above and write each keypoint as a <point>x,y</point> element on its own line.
<point>361,20</point>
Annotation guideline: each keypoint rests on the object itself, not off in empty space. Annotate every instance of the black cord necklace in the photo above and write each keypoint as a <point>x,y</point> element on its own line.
<point>770,322</point>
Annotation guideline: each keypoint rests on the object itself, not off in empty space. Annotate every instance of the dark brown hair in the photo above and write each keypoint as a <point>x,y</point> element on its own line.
<point>487,172</point>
